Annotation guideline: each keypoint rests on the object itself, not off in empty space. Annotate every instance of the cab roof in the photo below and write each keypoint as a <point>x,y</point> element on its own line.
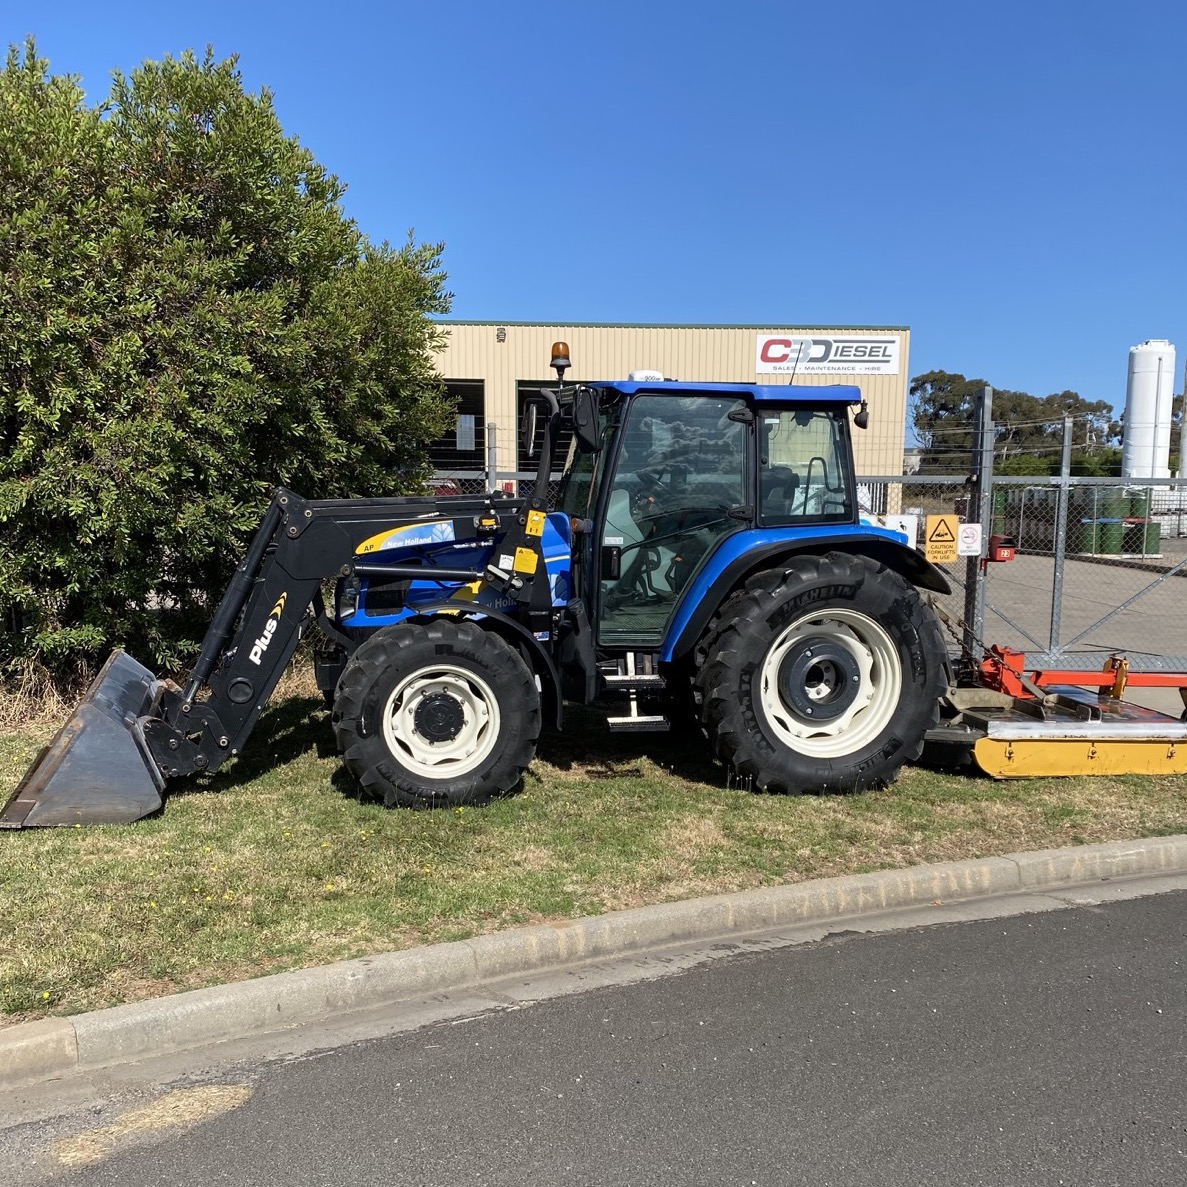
<point>761,393</point>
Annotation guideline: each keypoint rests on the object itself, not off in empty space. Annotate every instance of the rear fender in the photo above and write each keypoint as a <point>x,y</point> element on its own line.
<point>738,556</point>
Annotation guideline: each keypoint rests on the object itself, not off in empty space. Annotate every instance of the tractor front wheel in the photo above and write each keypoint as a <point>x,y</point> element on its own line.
<point>825,677</point>
<point>438,714</point>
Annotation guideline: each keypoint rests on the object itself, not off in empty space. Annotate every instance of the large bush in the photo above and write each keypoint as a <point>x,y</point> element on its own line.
<point>187,318</point>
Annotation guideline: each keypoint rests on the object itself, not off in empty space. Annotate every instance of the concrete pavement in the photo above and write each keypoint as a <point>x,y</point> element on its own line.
<point>55,1048</point>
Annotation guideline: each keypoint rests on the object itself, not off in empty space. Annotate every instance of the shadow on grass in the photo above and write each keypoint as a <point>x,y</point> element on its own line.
<point>284,732</point>
<point>587,745</point>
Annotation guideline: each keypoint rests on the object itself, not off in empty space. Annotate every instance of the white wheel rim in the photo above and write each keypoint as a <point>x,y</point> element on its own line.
<point>452,757</point>
<point>878,680</point>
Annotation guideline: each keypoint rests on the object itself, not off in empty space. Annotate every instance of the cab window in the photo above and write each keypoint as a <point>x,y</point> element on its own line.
<point>803,467</point>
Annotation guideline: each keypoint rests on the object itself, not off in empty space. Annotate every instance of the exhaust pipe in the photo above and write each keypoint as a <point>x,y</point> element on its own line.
<point>97,769</point>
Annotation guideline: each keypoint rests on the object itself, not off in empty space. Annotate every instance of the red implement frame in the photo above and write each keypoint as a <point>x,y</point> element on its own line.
<point>1005,670</point>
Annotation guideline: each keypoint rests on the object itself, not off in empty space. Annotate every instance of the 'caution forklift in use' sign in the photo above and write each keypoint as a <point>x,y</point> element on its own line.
<point>940,539</point>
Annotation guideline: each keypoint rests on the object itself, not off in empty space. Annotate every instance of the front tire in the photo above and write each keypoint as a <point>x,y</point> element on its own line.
<point>825,677</point>
<point>438,714</point>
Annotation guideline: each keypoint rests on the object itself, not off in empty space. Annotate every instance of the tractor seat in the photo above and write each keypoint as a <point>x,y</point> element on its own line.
<point>620,521</point>
<point>778,485</point>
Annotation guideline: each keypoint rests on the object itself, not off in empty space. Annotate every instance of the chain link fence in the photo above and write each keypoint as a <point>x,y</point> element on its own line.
<point>512,482</point>
<point>1100,567</point>
<point>476,471</point>
<point>1106,558</point>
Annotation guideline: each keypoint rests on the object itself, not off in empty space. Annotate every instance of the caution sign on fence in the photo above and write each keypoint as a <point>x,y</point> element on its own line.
<point>940,539</point>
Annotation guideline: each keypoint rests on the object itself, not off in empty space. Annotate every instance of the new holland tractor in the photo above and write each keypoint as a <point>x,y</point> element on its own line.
<point>704,561</point>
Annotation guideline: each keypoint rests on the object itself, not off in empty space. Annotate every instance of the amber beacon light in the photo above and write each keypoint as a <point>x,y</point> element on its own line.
<point>560,360</point>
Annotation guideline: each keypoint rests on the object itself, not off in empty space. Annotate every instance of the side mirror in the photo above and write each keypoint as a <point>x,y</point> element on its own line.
<point>527,429</point>
<point>585,420</point>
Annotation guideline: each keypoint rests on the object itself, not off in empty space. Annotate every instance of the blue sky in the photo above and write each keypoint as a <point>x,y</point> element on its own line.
<point>1008,180</point>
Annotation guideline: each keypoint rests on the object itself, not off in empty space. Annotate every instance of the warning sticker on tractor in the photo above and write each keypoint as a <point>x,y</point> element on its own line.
<point>525,560</point>
<point>940,538</point>
<point>535,525</point>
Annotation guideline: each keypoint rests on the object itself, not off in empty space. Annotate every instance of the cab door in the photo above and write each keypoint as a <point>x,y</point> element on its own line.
<point>680,481</point>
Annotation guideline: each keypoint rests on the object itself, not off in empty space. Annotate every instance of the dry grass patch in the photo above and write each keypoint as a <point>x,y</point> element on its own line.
<point>690,839</point>
<point>179,1109</point>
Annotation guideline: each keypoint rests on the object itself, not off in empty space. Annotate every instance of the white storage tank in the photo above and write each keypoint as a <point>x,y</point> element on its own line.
<point>1149,392</point>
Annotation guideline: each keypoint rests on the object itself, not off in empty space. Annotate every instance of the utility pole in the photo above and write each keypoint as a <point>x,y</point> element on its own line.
<point>982,482</point>
<point>1060,544</point>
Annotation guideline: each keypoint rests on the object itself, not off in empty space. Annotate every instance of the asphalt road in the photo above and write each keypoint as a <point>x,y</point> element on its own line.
<point>1037,1049</point>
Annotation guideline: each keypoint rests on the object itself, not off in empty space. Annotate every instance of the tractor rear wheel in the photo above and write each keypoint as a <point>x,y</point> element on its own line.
<point>438,714</point>
<point>825,677</point>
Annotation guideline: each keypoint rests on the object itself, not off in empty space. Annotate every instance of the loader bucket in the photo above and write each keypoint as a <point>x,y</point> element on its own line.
<point>97,769</point>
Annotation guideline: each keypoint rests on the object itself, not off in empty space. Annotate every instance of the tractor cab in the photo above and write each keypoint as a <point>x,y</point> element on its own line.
<point>671,470</point>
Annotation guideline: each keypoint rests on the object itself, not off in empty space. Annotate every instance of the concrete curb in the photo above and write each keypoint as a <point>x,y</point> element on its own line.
<point>53,1047</point>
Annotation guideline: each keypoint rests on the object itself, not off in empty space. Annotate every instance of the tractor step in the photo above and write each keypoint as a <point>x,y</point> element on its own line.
<point>636,724</point>
<point>635,683</point>
<point>636,677</point>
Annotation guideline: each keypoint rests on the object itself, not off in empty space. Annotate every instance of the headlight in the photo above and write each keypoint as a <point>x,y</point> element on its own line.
<point>349,591</point>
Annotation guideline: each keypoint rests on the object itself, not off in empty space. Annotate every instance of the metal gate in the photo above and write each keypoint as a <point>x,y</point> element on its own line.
<point>1100,565</point>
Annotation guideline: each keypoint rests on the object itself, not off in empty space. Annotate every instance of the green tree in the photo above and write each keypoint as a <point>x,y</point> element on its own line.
<point>941,411</point>
<point>1098,462</point>
<point>187,318</point>
<point>1028,430</point>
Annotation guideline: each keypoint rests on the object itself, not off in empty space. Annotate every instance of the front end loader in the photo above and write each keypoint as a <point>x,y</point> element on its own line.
<point>483,556</point>
<point>132,733</point>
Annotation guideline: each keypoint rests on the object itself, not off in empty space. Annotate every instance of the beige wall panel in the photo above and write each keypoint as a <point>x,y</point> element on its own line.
<point>707,354</point>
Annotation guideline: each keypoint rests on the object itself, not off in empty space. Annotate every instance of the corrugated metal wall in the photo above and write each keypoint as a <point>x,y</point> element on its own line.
<point>721,354</point>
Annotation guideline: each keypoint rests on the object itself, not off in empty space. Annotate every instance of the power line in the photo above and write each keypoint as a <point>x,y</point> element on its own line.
<point>1054,425</point>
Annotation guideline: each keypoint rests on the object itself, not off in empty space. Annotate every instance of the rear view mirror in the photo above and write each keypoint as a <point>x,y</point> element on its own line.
<point>585,420</point>
<point>527,429</point>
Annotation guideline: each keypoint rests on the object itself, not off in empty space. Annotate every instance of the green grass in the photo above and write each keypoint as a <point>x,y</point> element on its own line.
<point>275,864</point>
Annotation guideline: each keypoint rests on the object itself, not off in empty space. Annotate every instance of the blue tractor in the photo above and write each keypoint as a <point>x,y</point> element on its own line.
<point>704,562</point>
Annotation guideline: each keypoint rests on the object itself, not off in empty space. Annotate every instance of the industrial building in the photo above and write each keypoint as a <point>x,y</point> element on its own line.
<point>489,367</point>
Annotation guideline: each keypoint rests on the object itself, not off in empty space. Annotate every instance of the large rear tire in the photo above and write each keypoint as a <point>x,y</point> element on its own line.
<point>823,677</point>
<point>438,714</point>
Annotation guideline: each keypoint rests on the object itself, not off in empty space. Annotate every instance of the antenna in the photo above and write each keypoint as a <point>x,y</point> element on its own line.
<point>795,366</point>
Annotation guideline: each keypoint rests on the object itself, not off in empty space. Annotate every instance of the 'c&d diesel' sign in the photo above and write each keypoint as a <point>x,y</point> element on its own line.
<point>782,354</point>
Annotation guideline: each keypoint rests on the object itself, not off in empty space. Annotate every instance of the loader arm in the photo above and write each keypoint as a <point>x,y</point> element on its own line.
<point>266,609</point>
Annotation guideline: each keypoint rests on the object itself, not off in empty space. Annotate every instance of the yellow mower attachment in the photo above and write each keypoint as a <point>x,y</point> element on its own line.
<point>1064,732</point>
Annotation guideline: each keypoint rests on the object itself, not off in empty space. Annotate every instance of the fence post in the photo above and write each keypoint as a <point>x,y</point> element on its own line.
<point>974,585</point>
<point>492,455</point>
<point>1060,549</point>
